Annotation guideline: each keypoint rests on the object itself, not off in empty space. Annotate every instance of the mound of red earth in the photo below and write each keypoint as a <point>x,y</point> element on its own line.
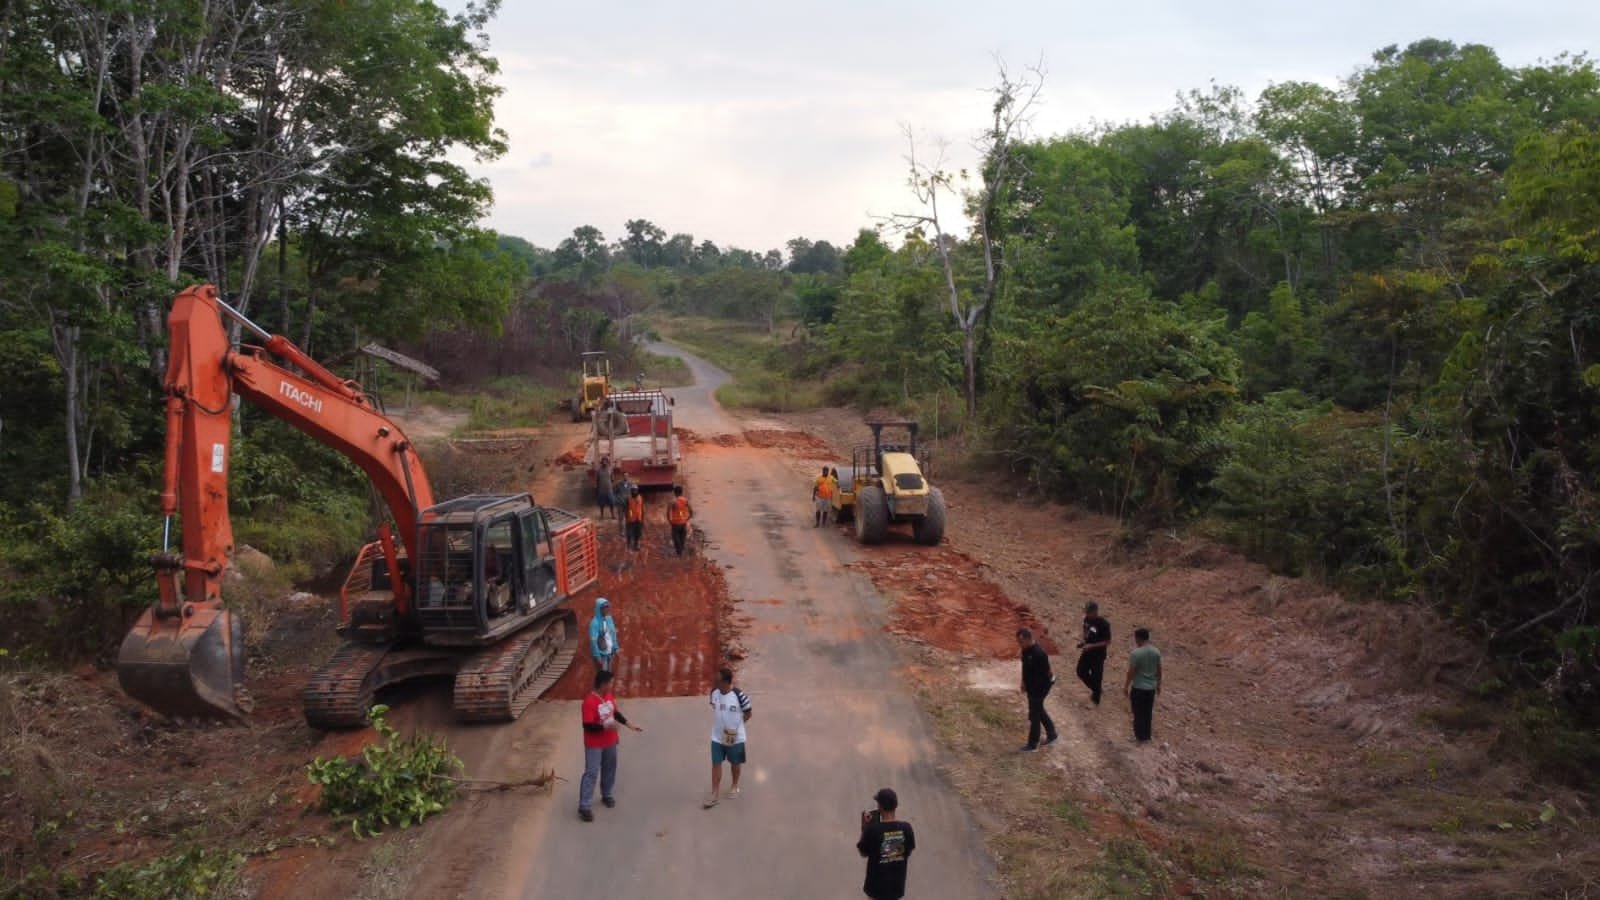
<point>941,598</point>
<point>571,458</point>
<point>797,443</point>
<point>674,617</point>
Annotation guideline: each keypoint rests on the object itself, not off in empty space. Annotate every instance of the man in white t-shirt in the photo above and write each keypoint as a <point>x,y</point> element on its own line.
<point>730,709</point>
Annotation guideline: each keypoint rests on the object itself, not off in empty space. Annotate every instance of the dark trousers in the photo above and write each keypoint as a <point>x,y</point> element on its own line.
<point>680,535</point>
<point>1037,717</point>
<point>1091,671</point>
<point>635,532</point>
<point>1144,707</point>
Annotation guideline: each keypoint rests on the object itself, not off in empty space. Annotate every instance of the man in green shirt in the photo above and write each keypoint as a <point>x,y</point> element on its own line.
<point>1143,682</point>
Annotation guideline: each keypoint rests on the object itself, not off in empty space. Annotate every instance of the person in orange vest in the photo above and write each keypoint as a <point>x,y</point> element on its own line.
<point>679,512</point>
<point>635,518</point>
<point>822,495</point>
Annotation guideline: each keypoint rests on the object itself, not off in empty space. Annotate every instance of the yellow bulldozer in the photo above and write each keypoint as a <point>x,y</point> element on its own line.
<point>594,387</point>
<point>885,486</point>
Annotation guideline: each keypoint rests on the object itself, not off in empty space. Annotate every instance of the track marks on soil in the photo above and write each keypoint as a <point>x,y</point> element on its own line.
<point>675,620</point>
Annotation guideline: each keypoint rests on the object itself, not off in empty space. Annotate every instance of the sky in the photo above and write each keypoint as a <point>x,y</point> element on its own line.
<point>752,123</point>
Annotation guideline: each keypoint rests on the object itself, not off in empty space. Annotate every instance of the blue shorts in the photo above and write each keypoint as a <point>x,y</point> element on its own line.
<point>733,754</point>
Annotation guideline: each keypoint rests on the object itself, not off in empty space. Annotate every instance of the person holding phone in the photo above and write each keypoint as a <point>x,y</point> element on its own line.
<point>886,843</point>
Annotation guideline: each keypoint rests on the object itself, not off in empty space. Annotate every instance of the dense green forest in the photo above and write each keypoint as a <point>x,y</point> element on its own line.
<point>1349,329</point>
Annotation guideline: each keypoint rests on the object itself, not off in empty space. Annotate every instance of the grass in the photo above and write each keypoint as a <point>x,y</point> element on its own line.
<point>1041,847</point>
<point>746,351</point>
<point>770,392</point>
<point>1050,840</point>
<point>1128,868</point>
<point>664,371</point>
<point>738,347</point>
<point>390,867</point>
<point>1070,813</point>
<point>512,402</point>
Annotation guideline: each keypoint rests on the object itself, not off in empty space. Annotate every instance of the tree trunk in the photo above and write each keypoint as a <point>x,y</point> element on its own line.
<point>64,340</point>
<point>283,269</point>
<point>969,357</point>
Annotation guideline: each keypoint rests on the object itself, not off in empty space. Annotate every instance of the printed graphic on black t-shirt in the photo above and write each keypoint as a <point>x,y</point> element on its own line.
<point>887,846</point>
<point>893,848</point>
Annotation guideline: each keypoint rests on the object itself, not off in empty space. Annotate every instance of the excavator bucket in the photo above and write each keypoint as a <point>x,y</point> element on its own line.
<point>186,666</point>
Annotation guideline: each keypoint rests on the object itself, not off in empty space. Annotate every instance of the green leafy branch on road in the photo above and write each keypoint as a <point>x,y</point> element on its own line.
<point>398,781</point>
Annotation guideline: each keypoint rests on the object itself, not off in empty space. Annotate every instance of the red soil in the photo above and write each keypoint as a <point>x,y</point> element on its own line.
<point>796,443</point>
<point>674,616</point>
<point>941,598</point>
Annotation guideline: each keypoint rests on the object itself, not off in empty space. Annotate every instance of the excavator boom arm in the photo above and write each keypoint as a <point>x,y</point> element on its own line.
<point>185,656</point>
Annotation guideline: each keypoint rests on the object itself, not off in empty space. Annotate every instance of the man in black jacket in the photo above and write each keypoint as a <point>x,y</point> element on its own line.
<point>1036,682</point>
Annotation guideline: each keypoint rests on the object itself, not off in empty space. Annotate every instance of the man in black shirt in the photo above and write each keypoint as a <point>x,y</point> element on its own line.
<point>1036,682</point>
<point>1092,658</point>
<point>886,842</point>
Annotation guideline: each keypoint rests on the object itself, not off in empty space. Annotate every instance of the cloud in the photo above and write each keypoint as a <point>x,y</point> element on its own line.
<point>750,124</point>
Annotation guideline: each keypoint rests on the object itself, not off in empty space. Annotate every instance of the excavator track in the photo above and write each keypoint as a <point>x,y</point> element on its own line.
<point>498,683</point>
<point>341,692</point>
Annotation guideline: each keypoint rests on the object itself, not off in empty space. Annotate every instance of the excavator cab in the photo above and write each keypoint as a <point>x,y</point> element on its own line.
<point>488,566</point>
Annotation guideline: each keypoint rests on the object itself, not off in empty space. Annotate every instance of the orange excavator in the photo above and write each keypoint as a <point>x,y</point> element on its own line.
<point>474,588</point>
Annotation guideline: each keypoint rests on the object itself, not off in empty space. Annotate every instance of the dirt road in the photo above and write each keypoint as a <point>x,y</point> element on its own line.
<point>833,723</point>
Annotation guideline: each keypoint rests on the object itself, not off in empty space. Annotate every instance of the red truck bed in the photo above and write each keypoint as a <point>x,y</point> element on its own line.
<point>634,430</point>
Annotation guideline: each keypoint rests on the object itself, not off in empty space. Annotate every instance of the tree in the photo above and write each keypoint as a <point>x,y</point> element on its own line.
<point>867,252</point>
<point>1012,108</point>
<point>1012,111</point>
<point>584,255</point>
<point>154,143</point>
<point>928,181</point>
<point>807,258</point>
<point>643,243</point>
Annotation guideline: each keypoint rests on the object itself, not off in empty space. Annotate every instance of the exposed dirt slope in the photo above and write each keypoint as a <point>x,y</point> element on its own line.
<point>1297,743</point>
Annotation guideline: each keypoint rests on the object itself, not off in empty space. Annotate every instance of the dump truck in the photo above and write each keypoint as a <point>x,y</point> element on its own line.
<point>633,429</point>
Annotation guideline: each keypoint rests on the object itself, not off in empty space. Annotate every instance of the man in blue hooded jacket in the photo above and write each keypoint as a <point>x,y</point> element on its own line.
<point>603,635</point>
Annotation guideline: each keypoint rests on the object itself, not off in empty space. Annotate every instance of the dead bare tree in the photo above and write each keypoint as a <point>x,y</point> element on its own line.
<point>1015,97</point>
<point>927,182</point>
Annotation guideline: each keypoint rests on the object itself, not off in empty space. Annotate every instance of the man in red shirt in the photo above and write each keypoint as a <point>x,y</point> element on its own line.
<point>600,720</point>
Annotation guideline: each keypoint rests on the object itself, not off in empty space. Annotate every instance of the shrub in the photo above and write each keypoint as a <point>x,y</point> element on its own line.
<point>1302,490</point>
<point>192,873</point>
<point>71,575</point>
<point>397,782</point>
